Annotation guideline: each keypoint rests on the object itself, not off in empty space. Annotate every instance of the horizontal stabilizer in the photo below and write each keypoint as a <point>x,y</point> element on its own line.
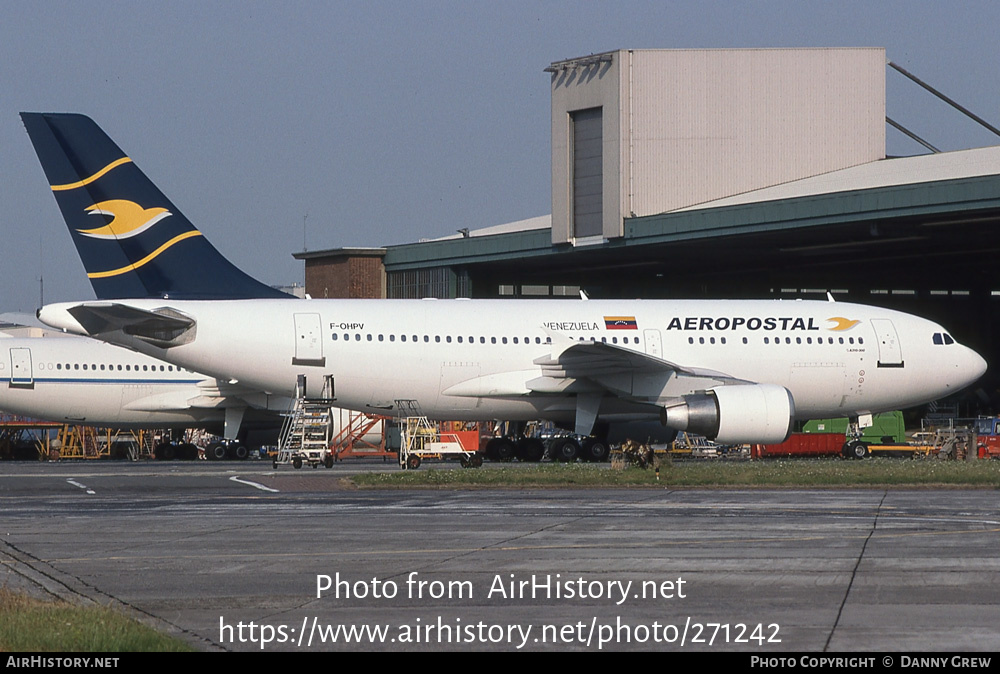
<point>162,327</point>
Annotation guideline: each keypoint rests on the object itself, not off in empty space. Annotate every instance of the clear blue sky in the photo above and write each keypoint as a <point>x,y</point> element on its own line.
<point>386,122</point>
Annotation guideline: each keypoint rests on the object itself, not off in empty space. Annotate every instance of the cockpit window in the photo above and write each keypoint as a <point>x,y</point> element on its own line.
<point>948,339</point>
<point>938,339</point>
<point>943,338</point>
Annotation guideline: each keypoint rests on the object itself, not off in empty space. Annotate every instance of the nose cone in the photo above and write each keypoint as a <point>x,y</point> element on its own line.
<point>976,366</point>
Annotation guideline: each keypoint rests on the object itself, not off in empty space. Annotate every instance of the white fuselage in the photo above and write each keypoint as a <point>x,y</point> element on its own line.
<point>476,359</point>
<point>84,381</point>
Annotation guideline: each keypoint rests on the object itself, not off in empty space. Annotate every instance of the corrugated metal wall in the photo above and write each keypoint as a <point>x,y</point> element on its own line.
<point>714,123</point>
<point>683,127</point>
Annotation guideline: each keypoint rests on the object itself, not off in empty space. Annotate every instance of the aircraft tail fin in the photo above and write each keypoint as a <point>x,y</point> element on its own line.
<point>133,242</point>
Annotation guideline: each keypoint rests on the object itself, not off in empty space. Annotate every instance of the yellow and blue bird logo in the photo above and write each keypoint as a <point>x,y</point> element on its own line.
<point>128,219</point>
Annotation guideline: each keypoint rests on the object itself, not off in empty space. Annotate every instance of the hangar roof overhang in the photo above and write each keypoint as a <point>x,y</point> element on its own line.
<point>930,205</point>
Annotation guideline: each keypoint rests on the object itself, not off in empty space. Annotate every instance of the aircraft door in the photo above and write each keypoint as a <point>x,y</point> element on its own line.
<point>654,346</point>
<point>20,368</point>
<point>308,340</point>
<point>889,352</point>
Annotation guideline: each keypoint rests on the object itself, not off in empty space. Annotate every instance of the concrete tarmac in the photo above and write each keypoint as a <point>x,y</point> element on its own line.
<point>241,557</point>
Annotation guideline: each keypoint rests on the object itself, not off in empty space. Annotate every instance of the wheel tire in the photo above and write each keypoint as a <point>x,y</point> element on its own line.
<point>491,449</point>
<point>274,465</point>
<point>328,461</point>
<point>858,449</point>
<point>565,449</point>
<point>216,451</point>
<point>476,461</point>
<point>530,450</point>
<point>413,462</point>
<point>297,462</point>
<point>501,449</point>
<point>167,452</point>
<point>464,461</point>
<point>241,452</point>
<point>594,449</point>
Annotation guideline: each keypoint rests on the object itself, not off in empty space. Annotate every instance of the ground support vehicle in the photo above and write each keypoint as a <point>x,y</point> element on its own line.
<point>423,440</point>
<point>305,438</point>
<point>988,437</point>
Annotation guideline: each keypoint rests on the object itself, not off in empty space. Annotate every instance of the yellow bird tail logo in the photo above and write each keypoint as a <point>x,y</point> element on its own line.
<point>128,219</point>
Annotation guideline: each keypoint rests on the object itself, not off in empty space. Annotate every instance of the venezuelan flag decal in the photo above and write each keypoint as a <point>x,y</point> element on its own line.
<point>620,323</point>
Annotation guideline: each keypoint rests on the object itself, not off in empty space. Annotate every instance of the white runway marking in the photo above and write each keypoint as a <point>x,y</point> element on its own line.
<point>81,486</point>
<point>253,484</point>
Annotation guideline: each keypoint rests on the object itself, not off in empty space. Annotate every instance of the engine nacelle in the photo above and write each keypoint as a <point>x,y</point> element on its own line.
<point>751,413</point>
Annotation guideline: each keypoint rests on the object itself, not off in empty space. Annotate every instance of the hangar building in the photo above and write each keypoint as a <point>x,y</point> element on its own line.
<point>736,173</point>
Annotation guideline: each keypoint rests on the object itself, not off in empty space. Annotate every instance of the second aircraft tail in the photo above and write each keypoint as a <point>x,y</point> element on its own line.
<point>133,242</point>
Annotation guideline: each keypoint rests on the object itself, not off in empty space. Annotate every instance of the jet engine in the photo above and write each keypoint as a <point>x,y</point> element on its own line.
<point>752,413</point>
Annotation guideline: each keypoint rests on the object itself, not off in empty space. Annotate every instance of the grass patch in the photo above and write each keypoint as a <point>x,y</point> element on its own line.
<point>33,625</point>
<point>791,473</point>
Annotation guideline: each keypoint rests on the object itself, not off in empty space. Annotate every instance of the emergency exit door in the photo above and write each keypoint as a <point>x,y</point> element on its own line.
<point>889,352</point>
<point>308,340</point>
<point>20,367</point>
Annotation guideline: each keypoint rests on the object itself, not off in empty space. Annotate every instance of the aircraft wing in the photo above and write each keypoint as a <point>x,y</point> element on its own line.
<point>210,394</point>
<point>595,359</point>
<point>622,372</point>
<point>593,370</point>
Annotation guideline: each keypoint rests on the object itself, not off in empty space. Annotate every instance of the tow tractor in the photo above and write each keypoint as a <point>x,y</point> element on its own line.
<point>421,439</point>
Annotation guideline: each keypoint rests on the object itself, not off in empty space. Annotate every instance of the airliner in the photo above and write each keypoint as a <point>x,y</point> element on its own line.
<point>82,381</point>
<point>737,371</point>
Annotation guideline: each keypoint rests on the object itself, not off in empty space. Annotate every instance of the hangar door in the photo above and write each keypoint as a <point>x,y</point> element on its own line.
<point>587,139</point>
<point>20,367</point>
